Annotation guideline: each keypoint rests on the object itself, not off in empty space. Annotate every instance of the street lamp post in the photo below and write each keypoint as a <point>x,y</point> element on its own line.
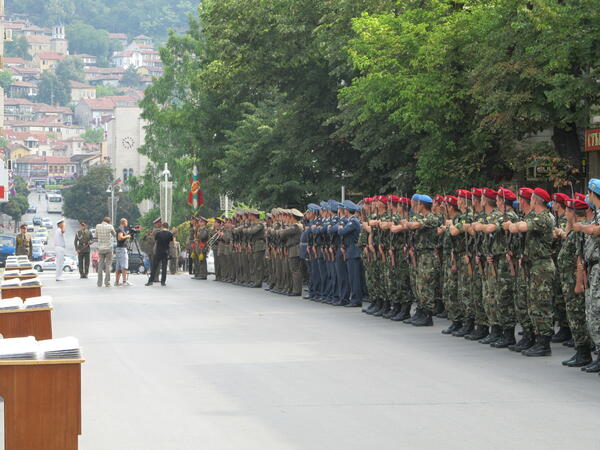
<point>112,188</point>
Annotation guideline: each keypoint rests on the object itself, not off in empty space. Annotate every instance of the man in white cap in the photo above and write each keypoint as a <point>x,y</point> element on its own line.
<point>59,248</point>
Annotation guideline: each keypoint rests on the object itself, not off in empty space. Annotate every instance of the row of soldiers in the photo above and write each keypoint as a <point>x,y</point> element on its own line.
<point>486,259</point>
<point>492,260</point>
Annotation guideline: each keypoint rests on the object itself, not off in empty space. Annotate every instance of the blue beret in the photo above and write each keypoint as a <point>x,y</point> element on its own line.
<point>349,205</point>
<point>313,207</point>
<point>515,204</point>
<point>416,197</point>
<point>594,185</point>
<point>333,205</point>
<point>324,206</point>
<point>425,198</point>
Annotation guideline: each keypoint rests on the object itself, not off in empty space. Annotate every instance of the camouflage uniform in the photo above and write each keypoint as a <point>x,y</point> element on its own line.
<point>477,286</point>
<point>450,265</point>
<point>560,313</point>
<point>592,294</point>
<point>426,241</point>
<point>574,303</point>
<point>464,280</point>
<point>399,275</point>
<point>522,280</point>
<point>541,270</point>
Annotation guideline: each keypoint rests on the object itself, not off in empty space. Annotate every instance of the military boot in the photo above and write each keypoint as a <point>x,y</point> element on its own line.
<point>593,367</point>
<point>438,308</point>
<point>383,310</point>
<point>582,357</point>
<point>454,326</point>
<point>478,333</point>
<point>540,348</point>
<point>425,320</point>
<point>375,305</point>
<point>467,328</point>
<point>507,339</point>
<point>563,335</point>
<point>417,315</point>
<point>524,343</point>
<point>494,336</point>
<point>403,313</point>
<point>569,343</point>
<point>392,312</point>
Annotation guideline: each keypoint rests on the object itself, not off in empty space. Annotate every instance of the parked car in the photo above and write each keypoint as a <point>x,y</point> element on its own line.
<point>31,210</point>
<point>50,264</point>
<point>37,221</point>
<point>46,222</point>
<point>136,263</point>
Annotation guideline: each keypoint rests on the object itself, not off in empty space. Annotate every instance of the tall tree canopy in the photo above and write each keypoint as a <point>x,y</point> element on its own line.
<point>285,101</point>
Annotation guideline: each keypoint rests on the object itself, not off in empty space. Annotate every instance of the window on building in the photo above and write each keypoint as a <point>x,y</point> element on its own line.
<point>124,174</point>
<point>130,173</point>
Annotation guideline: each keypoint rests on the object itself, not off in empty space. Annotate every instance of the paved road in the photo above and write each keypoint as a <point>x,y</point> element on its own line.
<point>202,365</point>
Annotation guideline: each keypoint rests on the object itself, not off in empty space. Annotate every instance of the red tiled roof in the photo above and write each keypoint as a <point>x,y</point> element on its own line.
<point>23,84</point>
<point>107,103</point>
<point>44,159</point>
<point>14,61</point>
<point>17,101</point>
<point>78,85</point>
<point>22,136</point>
<point>50,55</point>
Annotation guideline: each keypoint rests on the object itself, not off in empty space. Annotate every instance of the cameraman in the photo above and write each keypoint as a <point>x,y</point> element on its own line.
<point>122,263</point>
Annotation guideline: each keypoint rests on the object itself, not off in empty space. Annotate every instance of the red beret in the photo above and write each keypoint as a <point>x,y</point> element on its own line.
<point>381,198</point>
<point>476,192</point>
<point>438,198</point>
<point>394,199</point>
<point>464,193</point>
<point>579,196</point>
<point>489,193</point>
<point>451,200</point>
<point>525,192</point>
<point>542,194</point>
<point>575,203</point>
<point>367,200</point>
<point>405,201</point>
<point>507,194</point>
<point>561,198</point>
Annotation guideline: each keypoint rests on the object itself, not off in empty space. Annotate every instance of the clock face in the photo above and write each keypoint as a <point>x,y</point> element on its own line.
<point>128,142</point>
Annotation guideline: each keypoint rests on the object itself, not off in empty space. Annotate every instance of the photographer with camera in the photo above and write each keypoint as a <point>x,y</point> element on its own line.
<point>121,252</point>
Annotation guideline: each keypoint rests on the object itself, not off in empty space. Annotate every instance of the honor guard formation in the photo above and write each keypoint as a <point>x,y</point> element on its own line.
<point>499,265</point>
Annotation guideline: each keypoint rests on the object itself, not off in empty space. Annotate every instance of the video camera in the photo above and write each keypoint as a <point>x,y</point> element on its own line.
<point>133,231</point>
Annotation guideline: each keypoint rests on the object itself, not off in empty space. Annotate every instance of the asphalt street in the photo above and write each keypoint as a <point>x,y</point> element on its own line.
<point>205,365</point>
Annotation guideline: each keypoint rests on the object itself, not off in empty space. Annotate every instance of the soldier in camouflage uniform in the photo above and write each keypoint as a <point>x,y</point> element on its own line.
<point>465,264</point>
<point>377,290</point>
<point>574,302</point>
<point>516,254</point>
<point>560,314</point>
<point>255,233</point>
<point>590,265</point>
<point>400,290</point>
<point>438,209</point>
<point>425,229</point>
<point>537,258</point>
<point>454,307</point>
<point>479,262</point>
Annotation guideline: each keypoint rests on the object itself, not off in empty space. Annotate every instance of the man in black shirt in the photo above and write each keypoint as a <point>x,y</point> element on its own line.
<point>161,254</point>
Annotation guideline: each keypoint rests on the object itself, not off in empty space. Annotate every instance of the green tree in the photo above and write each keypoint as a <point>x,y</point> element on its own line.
<point>87,198</point>
<point>106,91</point>
<point>93,135</point>
<point>84,38</point>
<point>17,48</point>
<point>52,90</point>
<point>5,80</point>
<point>70,68</point>
<point>131,78</point>
<point>16,206</point>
